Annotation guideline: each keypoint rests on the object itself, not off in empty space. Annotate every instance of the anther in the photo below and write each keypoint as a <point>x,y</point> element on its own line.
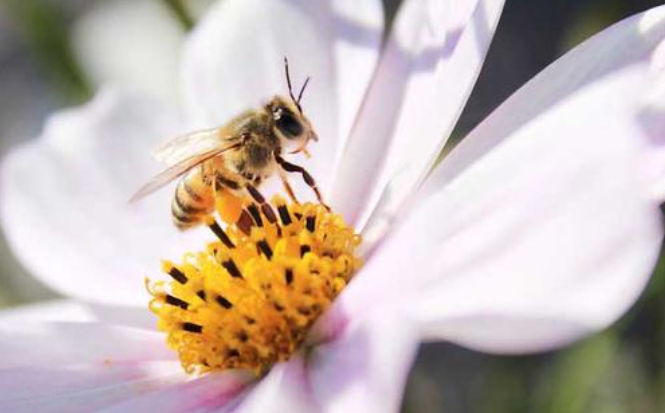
<point>178,275</point>
<point>264,248</point>
<point>310,223</point>
<point>201,294</point>
<point>232,268</point>
<point>224,302</point>
<point>219,232</point>
<point>284,215</point>
<point>174,301</point>
<point>304,249</point>
<point>192,327</point>
<point>242,336</point>
<point>288,276</point>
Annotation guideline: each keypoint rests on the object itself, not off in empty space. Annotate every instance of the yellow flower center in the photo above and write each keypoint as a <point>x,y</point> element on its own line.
<point>248,300</point>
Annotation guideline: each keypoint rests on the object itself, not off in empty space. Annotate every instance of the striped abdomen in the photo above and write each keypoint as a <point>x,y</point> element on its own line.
<point>193,201</point>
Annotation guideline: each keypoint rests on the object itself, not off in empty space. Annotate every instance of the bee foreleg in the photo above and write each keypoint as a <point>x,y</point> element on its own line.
<point>261,200</point>
<point>309,180</point>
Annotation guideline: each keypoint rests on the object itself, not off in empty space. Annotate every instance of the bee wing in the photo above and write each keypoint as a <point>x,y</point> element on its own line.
<point>179,169</point>
<point>184,147</point>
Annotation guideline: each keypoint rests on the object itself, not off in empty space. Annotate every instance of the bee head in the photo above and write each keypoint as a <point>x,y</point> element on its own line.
<point>290,125</point>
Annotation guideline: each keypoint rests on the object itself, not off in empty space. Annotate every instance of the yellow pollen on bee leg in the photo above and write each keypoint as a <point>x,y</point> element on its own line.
<point>228,206</point>
<point>248,300</point>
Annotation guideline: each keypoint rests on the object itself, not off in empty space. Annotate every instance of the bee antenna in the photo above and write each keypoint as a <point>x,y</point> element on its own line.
<point>302,90</point>
<point>288,78</point>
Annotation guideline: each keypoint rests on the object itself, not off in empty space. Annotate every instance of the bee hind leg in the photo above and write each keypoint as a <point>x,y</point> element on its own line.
<point>261,200</point>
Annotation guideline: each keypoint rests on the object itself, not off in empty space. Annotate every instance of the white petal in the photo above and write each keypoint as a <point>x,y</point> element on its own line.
<point>424,78</point>
<point>65,198</point>
<point>652,117</point>
<point>53,310</point>
<point>285,389</point>
<point>82,388</point>
<point>76,311</point>
<point>72,367</point>
<point>550,236</point>
<point>63,344</point>
<point>133,44</point>
<point>233,62</point>
<point>203,394</point>
<point>360,366</point>
<point>632,41</point>
<point>364,369</point>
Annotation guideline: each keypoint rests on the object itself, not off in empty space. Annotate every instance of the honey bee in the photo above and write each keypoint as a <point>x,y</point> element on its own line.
<point>236,157</point>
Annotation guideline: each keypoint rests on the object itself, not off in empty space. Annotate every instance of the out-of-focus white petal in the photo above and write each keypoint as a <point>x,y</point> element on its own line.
<point>549,236</point>
<point>130,43</point>
<point>82,387</point>
<point>65,344</point>
<point>285,389</point>
<point>53,310</point>
<point>364,369</point>
<point>425,76</point>
<point>203,394</point>
<point>76,311</point>
<point>630,42</point>
<point>64,200</point>
<point>234,61</point>
<point>652,117</point>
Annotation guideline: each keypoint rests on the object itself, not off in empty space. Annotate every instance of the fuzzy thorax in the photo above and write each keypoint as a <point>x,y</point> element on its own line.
<point>248,300</point>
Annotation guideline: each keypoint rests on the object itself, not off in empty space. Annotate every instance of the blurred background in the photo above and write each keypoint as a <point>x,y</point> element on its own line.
<point>50,59</point>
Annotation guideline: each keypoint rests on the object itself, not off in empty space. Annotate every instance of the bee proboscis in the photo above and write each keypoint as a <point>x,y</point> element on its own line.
<point>236,157</point>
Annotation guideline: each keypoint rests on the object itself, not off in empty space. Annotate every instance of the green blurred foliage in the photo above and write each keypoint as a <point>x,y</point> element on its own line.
<point>180,12</point>
<point>43,27</point>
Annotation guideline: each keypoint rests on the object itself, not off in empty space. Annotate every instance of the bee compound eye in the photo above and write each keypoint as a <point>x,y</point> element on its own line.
<point>289,125</point>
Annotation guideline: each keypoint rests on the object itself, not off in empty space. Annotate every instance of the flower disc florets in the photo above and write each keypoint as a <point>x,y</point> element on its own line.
<point>248,300</point>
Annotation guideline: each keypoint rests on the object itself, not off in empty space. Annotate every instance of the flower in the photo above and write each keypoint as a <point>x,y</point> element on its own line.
<point>541,227</point>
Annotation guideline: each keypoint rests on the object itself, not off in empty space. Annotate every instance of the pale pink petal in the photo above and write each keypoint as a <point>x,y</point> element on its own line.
<point>203,394</point>
<point>65,344</point>
<point>285,389</point>
<point>629,42</point>
<point>76,311</point>
<point>355,362</point>
<point>550,236</point>
<point>652,117</point>
<point>365,367</point>
<point>64,200</point>
<point>425,76</point>
<point>46,311</point>
<point>129,316</point>
<point>234,61</point>
<point>82,387</point>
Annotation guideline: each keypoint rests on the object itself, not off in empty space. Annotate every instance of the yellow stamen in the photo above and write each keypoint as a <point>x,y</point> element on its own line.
<point>248,300</point>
